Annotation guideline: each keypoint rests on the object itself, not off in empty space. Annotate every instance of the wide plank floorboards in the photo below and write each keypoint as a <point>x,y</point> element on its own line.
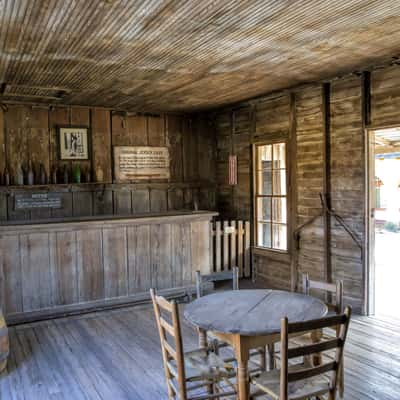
<point>114,355</point>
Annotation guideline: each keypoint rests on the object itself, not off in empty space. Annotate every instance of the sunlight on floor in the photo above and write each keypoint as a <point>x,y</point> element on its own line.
<point>387,273</point>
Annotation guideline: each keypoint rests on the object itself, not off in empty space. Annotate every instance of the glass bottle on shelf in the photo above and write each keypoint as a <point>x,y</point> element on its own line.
<point>54,175</point>
<point>6,177</point>
<point>65,174</point>
<point>19,179</point>
<point>30,174</point>
<point>77,173</point>
<point>42,175</point>
<point>88,175</point>
<point>99,174</point>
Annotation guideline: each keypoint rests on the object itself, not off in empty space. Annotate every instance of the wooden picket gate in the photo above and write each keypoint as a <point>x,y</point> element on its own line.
<point>231,246</point>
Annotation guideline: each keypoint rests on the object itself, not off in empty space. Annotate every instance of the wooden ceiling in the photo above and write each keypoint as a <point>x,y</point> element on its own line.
<point>184,55</point>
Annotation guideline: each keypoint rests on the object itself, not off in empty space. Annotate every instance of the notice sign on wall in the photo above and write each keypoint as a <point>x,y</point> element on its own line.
<point>37,200</point>
<point>141,163</point>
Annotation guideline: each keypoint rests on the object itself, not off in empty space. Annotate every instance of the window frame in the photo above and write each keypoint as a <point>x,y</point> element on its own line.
<point>256,196</point>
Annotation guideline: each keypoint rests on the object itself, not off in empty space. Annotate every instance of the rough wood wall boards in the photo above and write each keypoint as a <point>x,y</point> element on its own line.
<point>30,133</point>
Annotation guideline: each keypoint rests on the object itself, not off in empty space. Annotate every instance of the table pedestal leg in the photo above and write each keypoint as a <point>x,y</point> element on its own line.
<point>203,344</point>
<point>202,338</point>
<point>242,357</point>
<point>271,357</point>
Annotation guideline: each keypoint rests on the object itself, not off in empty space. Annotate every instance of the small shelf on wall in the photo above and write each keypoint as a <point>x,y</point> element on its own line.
<point>30,203</point>
<point>63,187</point>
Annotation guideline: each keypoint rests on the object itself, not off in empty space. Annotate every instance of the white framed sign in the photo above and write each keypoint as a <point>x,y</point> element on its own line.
<point>73,143</point>
<point>141,163</point>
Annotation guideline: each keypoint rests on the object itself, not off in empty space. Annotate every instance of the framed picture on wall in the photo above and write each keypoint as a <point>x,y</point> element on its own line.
<point>73,142</point>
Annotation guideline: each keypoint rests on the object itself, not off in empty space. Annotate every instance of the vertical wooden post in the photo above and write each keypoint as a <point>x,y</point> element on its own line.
<point>326,94</point>
<point>367,252</point>
<point>218,262</point>
<point>225,252</point>
<point>240,233</point>
<point>292,152</point>
<point>284,360</point>
<point>253,221</point>
<point>233,244</point>
<point>247,271</point>
<point>233,212</point>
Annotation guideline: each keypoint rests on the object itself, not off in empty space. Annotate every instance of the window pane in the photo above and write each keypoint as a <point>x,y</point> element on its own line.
<point>264,157</point>
<point>279,237</point>
<point>264,235</point>
<point>279,155</point>
<point>265,182</point>
<point>279,177</point>
<point>264,209</point>
<point>279,210</point>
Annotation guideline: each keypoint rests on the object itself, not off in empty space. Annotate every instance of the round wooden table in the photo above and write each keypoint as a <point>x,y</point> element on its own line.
<point>248,319</point>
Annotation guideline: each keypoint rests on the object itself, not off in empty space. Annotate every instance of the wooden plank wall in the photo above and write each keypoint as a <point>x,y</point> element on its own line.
<point>271,116</point>
<point>234,129</point>
<point>309,179</point>
<point>348,185</point>
<point>66,267</point>
<point>30,133</point>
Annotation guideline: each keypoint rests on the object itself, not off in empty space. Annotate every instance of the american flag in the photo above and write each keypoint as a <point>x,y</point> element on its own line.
<point>232,170</point>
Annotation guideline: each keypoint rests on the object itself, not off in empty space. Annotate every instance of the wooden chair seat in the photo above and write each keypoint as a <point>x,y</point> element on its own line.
<point>270,382</point>
<point>200,364</point>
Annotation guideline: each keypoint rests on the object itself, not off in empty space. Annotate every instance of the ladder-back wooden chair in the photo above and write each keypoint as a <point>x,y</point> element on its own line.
<point>333,297</point>
<point>192,371</point>
<point>333,293</point>
<point>232,275</point>
<point>302,381</point>
<point>329,289</point>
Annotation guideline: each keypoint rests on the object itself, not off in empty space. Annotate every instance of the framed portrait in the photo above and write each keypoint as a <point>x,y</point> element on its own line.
<point>73,142</point>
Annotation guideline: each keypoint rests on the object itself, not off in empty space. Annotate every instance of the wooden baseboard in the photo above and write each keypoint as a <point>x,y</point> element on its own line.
<point>100,305</point>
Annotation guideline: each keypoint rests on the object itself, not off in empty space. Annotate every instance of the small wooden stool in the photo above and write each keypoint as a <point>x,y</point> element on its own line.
<point>4,343</point>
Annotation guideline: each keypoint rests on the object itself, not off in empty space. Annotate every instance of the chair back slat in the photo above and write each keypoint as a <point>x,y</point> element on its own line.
<point>172,350</point>
<point>329,289</point>
<point>233,275</point>
<point>315,348</point>
<point>302,371</point>
<point>311,372</point>
<point>327,322</point>
<point>168,327</point>
<point>169,349</point>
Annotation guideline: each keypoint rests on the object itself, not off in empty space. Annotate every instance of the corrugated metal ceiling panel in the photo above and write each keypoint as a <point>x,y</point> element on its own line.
<point>189,54</point>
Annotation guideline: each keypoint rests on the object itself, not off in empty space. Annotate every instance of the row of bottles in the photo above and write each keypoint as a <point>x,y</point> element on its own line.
<point>62,175</point>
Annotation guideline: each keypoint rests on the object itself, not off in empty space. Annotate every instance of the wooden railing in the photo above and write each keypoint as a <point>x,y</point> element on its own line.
<point>231,246</point>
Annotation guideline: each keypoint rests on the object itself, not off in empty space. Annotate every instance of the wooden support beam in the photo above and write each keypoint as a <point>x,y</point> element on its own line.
<point>367,307</point>
<point>326,93</point>
<point>366,98</point>
<point>292,150</point>
<point>232,149</point>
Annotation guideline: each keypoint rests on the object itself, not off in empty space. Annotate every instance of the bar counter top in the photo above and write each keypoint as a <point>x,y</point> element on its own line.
<point>105,221</point>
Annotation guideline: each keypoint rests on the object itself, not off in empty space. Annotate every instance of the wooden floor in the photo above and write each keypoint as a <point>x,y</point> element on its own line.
<point>115,355</point>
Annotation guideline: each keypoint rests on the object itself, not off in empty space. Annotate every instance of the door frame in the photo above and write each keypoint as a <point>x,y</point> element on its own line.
<point>369,281</point>
<point>369,245</point>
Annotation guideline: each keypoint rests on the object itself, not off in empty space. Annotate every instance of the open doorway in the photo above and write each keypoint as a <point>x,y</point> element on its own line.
<point>384,222</point>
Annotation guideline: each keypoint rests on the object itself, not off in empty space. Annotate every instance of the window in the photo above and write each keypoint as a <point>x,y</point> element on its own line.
<point>270,196</point>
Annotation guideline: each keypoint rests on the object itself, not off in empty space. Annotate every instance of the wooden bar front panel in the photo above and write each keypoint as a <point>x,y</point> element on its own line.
<point>62,267</point>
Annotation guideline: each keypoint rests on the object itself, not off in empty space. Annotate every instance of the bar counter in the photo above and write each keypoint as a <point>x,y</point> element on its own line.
<point>52,268</point>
